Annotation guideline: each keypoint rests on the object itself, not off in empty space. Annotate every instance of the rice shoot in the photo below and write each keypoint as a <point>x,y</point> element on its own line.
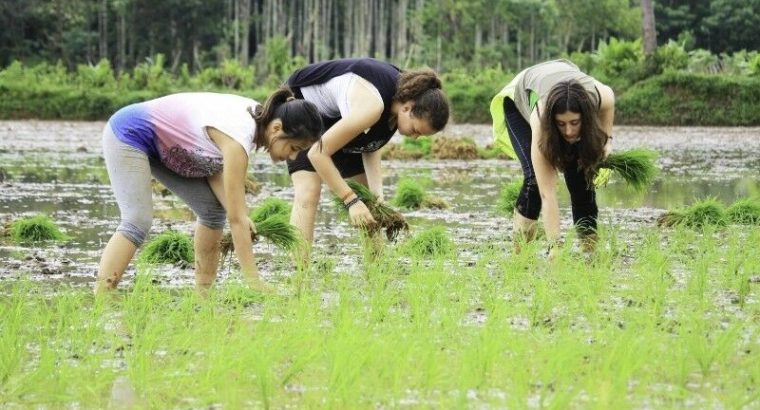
<point>636,167</point>
<point>38,228</point>
<point>168,247</point>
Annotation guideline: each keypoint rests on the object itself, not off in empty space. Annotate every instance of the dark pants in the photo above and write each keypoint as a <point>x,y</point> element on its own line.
<point>348,164</point>
<point>582,194</point>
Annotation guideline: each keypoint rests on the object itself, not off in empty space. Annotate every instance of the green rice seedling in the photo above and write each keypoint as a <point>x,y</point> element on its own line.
<point>431,242</point>
<point>409,194</point>
<point>508,197</point>
<point>275,227</point>
<point>636,167</point>
<point>268,207</point>
<point>708,211</point>
<point>38,228</point>
<point>168,247</point>
<point>422,145</point>
<point>744,212</point>
<point>387,218</point>
<point>670,219</point>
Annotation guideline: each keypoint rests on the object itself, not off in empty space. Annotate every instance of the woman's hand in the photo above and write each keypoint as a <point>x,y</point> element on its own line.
<point>359,215</point>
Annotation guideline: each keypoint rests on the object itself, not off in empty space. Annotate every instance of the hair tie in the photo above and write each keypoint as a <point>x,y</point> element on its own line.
<point>289,99</point>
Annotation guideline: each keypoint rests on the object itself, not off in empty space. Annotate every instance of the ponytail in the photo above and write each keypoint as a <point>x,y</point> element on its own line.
<point>423,87</point>
<point>300,118</point>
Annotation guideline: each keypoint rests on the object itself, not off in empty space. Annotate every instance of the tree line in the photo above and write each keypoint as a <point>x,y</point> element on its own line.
<point>443,34</point>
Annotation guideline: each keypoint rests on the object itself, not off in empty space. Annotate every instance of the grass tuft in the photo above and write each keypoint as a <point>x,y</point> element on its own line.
<point>431,242</point>
<point>706,212</point>
<point>636,167</point>
<point>744,212</point>
<point>168,247</point>
<point>38,228</point>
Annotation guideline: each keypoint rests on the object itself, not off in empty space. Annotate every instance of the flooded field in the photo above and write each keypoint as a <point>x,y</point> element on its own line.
<point>656,318</point>
<point>56,168</point>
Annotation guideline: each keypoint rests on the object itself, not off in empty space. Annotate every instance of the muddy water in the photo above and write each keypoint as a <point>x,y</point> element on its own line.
<point>56,168</point>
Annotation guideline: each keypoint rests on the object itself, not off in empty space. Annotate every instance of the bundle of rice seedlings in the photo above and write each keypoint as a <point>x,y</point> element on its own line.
<point>670,219</point>
<point>409,194</point>
<point>744,211</point>
<point>636,167</point>
<point>432,202</point>
<point>268,207</point>
<point>386,217</point>
<point>275,227</point>
<point>421,145</point>
<point>168,247</point>
<point>38,228</point>
<point>430,242</point>
<point>508,197</point>
<point>707,212</point>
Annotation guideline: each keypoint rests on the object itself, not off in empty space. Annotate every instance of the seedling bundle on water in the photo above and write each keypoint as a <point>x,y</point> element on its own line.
<point>168,247</point>
<point>430,242</point>
<point>710,211</point>
<point>386,217</point>
<point>411,195</point>
<point>38,228</point>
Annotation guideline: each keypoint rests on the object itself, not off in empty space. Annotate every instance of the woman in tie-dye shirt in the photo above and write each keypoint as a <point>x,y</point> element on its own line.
<point>197,145</point>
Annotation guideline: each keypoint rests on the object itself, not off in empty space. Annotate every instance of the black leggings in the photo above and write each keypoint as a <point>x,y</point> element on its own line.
<point>582,194</point>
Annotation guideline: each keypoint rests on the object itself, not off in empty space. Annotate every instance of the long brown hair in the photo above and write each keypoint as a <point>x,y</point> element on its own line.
<point>424,88</point>
<point>300,118</point>
<point>588,152</point>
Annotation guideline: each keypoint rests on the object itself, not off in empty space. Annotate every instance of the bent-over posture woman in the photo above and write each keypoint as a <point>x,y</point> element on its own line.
<point>197,145</point>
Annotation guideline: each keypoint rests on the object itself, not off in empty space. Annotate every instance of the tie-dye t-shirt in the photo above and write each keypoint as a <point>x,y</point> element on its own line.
<point>172,129</point>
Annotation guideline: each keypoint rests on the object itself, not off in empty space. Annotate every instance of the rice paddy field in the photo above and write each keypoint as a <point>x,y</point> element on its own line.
<point>449,316</point>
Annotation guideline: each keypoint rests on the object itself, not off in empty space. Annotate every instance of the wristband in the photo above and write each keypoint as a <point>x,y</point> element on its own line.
<point>351,202</point>
<point>346,195</point>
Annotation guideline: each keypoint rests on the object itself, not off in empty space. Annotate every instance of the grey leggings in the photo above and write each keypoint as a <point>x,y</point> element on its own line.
<point>130,172</point>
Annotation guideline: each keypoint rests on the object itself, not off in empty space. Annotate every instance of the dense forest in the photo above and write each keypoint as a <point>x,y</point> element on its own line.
<point>680,62</point>
<point>442,34</point>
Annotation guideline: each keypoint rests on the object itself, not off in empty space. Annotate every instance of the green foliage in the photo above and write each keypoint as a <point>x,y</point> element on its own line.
<point>636,167</point>
<point>168,247</point>
<point>409,194</point>
<point>671,56</point>
<point>38,228</point>
<point>421,144</point>
<point>619,63</point>
<point>703,213</point>
<point>151,75</point>
<point>470,94</point>
<point>269,207</point>
<point>678,98</point>
<point>97,76</point>
<point>430,242</point>
<point>228,75</point>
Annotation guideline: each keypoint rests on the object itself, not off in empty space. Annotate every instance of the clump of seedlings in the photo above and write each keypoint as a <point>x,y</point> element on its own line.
<point>268,207</point>
<point>430,242</point>
<point>706,212</point>
<point>410,194</point>
<point>168,247</point>
<point>636,167</point>
<point>252,185</point>
<point>38,228</point>
<point>454,148</point>
<point>744,212</point>
<point>386,217</point>
<point>272,221</point>
<point>408,149</point>
<point>508,197</point>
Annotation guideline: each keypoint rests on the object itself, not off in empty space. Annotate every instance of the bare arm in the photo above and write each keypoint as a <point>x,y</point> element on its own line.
<point>606,113</point>
<point>366,110</point>
<point>374,172</point>
<point>229,188</point>
<point>546,178</point>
